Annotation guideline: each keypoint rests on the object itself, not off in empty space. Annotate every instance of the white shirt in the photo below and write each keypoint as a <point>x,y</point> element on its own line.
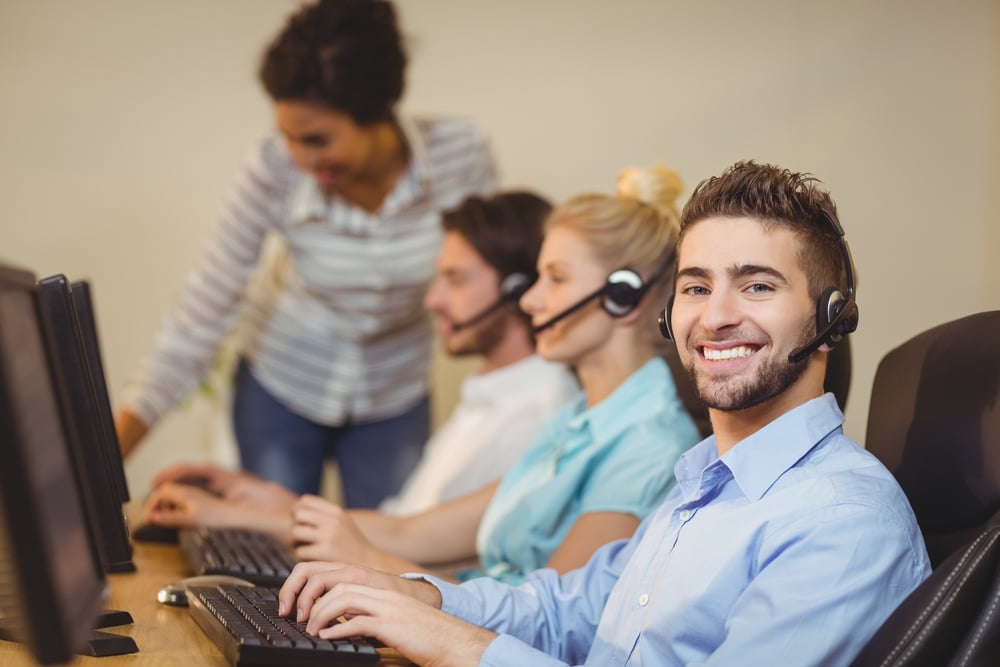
<point>497,415</point>
<point>339,334</point>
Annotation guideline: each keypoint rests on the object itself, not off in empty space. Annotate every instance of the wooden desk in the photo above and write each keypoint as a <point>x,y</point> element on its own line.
<point>165,635</point>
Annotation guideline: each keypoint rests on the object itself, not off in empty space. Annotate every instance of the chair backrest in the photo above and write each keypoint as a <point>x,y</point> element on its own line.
<point>952,618</point>
<point>934,421</point>
<point>838,380</point>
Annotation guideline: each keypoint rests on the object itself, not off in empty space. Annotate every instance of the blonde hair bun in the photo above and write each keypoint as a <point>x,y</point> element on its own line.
<point>657,186</point>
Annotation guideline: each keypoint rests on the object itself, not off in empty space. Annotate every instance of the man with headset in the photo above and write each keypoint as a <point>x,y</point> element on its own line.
<point>783,542</point>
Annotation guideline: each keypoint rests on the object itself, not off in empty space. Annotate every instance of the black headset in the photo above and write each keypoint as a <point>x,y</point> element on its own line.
<point>620,294</point>
<point>836,312</point>
<point>512,288</point>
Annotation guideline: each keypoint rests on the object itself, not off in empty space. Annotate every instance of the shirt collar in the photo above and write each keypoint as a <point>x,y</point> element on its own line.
<point>757,461</point>
<point>643,393</point>
<point>310,205</point>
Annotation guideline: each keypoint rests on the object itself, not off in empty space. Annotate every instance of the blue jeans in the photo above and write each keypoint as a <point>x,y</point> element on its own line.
<point>374,458</point>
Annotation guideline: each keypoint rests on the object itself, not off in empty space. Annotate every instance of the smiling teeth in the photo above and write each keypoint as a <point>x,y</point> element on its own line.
<point>729,353</point>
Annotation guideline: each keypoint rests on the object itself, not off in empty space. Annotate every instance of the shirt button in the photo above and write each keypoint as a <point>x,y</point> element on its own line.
<point>643,600</point>
<point>684,515</point>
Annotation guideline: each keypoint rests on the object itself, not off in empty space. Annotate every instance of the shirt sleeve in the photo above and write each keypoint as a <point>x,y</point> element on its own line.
<point>548,620</point>
<point>871,561</point>
<point>639,471</point>
<point>190,337</point>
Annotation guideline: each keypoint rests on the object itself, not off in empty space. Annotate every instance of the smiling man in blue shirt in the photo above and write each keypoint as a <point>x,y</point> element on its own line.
<point>784,542</point>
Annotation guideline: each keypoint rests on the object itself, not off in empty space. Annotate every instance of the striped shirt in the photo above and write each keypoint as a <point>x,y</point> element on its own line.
<point>337,332</point>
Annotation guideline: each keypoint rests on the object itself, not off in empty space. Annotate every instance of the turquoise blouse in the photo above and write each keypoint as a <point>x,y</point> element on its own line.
<point>618,456</point>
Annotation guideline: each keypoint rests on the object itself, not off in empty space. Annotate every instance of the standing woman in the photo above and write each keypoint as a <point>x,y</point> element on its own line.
<point>334,363</point>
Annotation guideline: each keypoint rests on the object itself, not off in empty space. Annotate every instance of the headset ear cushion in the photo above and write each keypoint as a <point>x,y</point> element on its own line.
<point>622,292</point>
<point>513,287</point>
<point>828,307</point>
<point>849,322</point>
<point>666,326</point>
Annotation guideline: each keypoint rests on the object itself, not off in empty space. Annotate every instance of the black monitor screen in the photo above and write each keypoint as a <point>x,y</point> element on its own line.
<point>94,454</point>
<point>83,303</point>
<point>51,583</point>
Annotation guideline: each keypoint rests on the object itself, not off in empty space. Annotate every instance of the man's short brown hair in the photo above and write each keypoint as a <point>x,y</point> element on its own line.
<point>776,196</point>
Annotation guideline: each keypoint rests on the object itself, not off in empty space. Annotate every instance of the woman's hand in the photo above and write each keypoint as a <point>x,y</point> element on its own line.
<point>130,430</point>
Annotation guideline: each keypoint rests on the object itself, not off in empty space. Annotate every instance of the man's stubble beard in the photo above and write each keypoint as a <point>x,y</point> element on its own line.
<point>738,393</point>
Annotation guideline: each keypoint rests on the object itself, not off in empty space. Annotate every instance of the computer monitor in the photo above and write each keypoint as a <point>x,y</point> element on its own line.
<point>83,304</point>
<point>92,450</point>
<point>51,583</point>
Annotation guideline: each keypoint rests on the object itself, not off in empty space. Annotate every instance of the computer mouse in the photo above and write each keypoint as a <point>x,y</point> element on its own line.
<point>175,593</point>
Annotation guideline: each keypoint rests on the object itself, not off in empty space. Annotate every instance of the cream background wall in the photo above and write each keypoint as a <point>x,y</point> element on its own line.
<point>124,121</point>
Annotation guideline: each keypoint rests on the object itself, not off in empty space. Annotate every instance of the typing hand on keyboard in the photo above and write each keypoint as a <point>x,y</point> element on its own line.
<point>207,476</point>
<point>401,613</point>
<point>181,505</point>
<point>243,622</point>
<point>233,485</point>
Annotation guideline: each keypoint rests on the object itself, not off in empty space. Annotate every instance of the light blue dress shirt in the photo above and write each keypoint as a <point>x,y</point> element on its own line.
<point>790,549</point>
<point>617,456</point>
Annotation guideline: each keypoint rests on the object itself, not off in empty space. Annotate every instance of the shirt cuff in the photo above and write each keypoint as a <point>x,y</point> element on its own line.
<point>506,651</point>
<point>454,599</point>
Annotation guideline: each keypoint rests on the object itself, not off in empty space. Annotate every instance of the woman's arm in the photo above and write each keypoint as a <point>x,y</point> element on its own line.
<point>189,340</point>
<point>588,533</point>
<point>324,531</point>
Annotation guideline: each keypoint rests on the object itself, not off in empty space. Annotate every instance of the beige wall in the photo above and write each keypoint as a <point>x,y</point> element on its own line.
<point>124,121</point>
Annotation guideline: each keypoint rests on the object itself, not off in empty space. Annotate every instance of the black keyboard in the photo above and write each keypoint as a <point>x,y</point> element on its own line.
<point>244,623</point>
<point>256,557</point>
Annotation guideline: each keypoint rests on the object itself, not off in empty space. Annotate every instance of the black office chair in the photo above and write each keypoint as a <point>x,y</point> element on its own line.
<point>952,618</point>
<point>837,380</point>
<point>934,421</point>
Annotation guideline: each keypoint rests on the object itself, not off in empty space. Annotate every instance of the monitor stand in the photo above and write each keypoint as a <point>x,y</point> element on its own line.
<point>112,617</point>
<point>99,645</point>
<point>102,644</point>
